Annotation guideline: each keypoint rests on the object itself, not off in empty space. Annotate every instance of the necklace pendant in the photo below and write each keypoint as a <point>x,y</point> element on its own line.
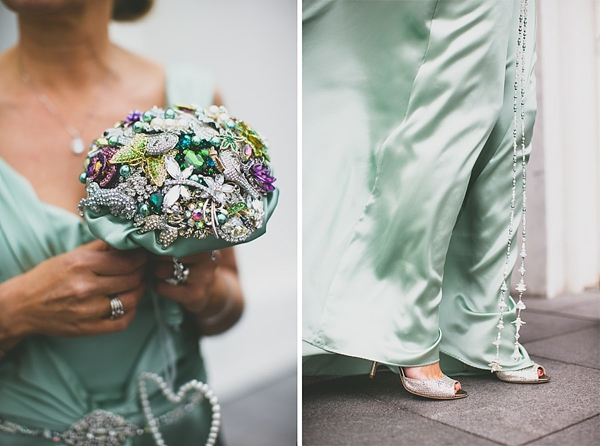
<point>77,145</point>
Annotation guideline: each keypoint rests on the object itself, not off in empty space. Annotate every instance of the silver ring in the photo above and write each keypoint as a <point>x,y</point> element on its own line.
<point>116,308</point>
<point>180,273</point>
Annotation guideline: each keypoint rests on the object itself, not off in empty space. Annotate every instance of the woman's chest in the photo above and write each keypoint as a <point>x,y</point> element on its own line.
<point>38,144</point>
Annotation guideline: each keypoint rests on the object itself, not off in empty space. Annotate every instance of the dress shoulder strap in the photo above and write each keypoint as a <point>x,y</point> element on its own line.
<point>190,84</point>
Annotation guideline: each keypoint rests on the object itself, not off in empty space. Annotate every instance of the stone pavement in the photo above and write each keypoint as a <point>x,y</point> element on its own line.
<point>562,334</point>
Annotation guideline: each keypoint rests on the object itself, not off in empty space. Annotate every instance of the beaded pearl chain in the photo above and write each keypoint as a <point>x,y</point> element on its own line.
<point>518,110</point>
<point>177,398</point>
<point>102,428</point>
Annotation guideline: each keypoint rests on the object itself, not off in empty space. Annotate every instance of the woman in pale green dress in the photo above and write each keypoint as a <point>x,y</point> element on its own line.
<point>61,357</point>
<point>407,170</point>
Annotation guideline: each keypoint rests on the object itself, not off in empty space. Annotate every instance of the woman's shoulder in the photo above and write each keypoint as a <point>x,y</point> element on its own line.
<point>185,82</point>
<point>139,78</point>
<point>11,85</point>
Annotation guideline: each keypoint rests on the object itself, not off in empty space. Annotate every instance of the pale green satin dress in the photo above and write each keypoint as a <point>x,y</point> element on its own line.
<point>49,382</point>
<point>407,170</point>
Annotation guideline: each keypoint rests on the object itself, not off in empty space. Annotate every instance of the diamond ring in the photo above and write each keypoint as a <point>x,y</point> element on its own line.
<point>180,273</point>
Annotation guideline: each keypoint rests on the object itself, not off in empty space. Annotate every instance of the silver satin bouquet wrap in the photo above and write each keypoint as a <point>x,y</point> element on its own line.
<point>178,181</point>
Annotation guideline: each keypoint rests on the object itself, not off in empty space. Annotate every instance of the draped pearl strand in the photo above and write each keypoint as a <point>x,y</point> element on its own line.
<point>177,398</point>
<point>518,140</point>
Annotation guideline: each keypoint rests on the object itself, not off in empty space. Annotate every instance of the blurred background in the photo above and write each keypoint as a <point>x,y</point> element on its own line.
<point>250,47</point>
<point>563,213</point>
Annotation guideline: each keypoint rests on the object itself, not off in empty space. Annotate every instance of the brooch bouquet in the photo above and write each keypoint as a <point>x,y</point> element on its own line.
<point>178,181</point>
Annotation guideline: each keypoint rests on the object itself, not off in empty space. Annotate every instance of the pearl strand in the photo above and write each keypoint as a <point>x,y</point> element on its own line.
<point>520,288</point>
<point>177,398</point>
<point>519,84</point>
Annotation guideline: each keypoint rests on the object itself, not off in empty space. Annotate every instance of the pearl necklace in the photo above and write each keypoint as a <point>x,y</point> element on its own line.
<point>77,144</point>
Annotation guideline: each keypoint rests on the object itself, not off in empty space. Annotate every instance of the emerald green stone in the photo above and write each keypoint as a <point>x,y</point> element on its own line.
<point>144,209</point>
<point>82,177</point>
<point>192,159</point>
<point>196,141</point>
<point>204,153</point>
<point>215,141</point>
<point>156,200</point>
<point>169,113</point>
<point>230,124</point>
<point>138,126</point>
<point>236,208</point>
<point>113,141</point>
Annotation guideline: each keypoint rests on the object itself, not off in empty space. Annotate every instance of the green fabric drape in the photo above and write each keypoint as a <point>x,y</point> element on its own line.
<point>407,168</point>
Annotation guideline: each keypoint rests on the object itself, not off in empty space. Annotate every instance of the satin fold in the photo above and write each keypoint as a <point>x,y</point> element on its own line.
<point>407,145</point>
<point>121,234</point>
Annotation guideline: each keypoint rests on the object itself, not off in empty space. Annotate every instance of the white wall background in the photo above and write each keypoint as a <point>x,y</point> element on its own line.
<point>250,46</point>
<point>568,128</point>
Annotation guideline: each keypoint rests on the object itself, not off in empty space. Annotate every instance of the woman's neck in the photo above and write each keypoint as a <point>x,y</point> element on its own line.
<point>66,50</point>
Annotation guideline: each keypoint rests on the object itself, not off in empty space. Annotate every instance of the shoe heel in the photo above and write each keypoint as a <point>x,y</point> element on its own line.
<point>373,370</point>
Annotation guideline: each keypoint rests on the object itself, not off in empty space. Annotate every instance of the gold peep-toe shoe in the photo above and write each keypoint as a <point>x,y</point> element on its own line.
<point>436,389</point>
<point>527,375</point>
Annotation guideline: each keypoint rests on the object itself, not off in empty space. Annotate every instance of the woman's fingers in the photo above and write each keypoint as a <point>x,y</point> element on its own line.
<point>163,270</point>
<point>184,294</point>
<point>107,285</point>
<point>117,263</point>
<point>192,293</point>
<point>104,325</point>
<point>104,260</point>
<point>129,300</point>
<point>92,316</point>
<point>69,294</point>
<point>199,265</point>
<point>194,299</point>
<point>202,257</point>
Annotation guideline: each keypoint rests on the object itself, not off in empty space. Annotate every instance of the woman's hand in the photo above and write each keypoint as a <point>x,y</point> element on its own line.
<point>212,291</point>
<point>69,295</point>
<point>193,294</point>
